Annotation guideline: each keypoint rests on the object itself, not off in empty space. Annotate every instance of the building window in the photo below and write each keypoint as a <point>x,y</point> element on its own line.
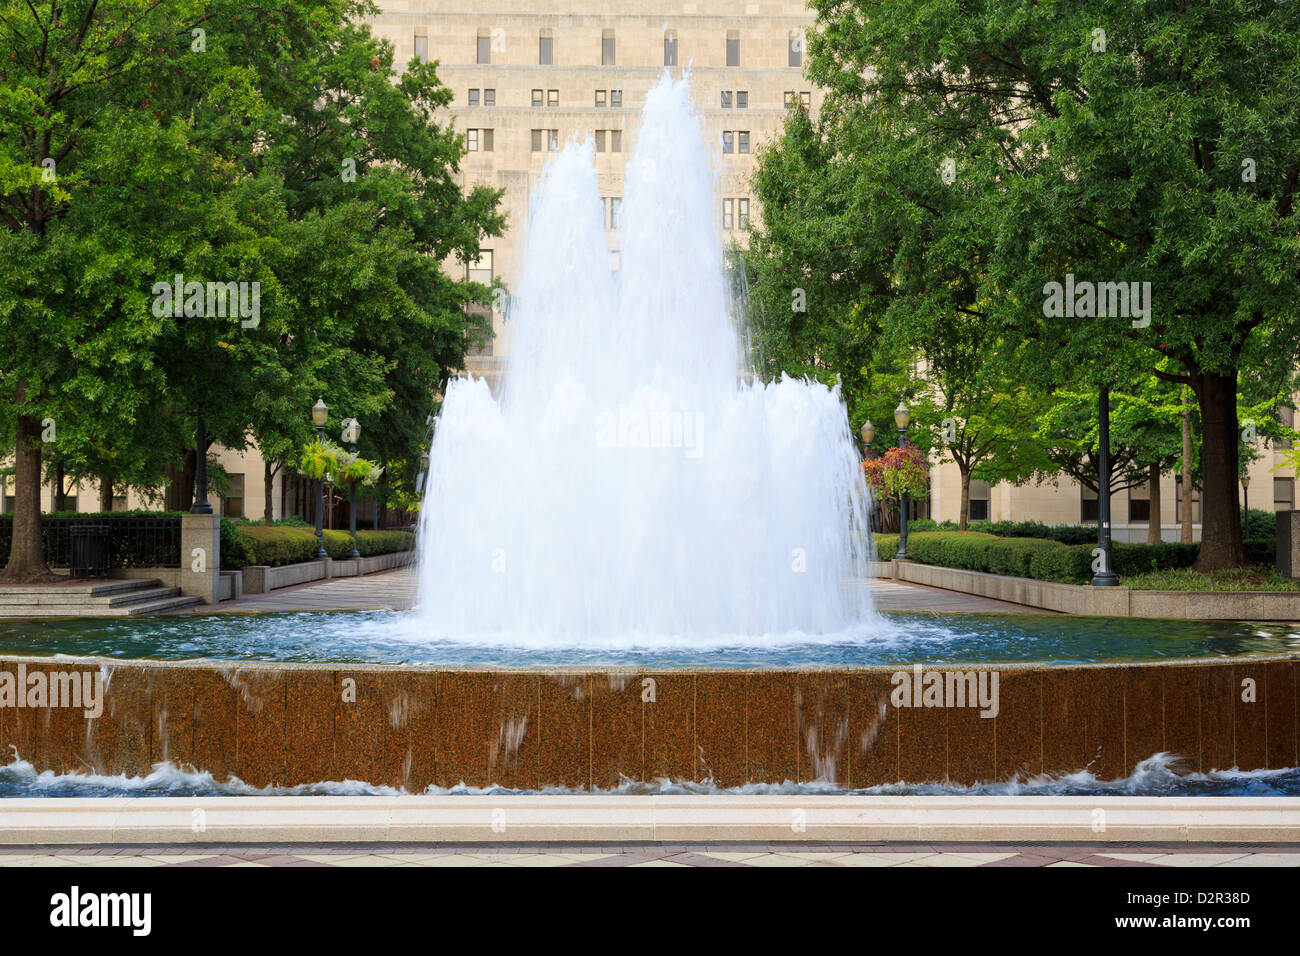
<point>546,139</point>
<point>789,99</point>
<point>422,48</point>
<point>728,141</point>
<point>473,97</point>
<point>728,211</point>
<point>471,140</point>
<point>609,140</point>
<point>480,270</point>
<point>795,48</point>
<point>119,501</point>
<point>478,140</point>
<point>616,259</point>
<point>484,47</point>
<point>615,212</point>
<point>545,48</point>
<point>978,500</point>
<point>742,141</point>
<point>1286,415</point>
<point>489,97</point>
<point>607,48</point>
<point>1088,510</point>
<point>537,98</point>
<point>805,99</point>
<point>670,49</point>
<point>742,213</point>
<point>616,99</point>
<point>552,97</point>
<point>600,97</point>
<point>1283,494</point>
<point>726,99</point>
<point>733,48</point>
<point>1139,505</point>
<point>742,99</point>
<point>232,503</point>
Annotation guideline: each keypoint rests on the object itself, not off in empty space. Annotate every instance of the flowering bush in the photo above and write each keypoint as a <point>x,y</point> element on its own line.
<point>898,471</point>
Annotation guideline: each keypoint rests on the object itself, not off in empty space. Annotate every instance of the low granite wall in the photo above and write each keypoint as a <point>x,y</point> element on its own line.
<point>411,727</point>
<point>1104,602</point>
<point>258,579</point>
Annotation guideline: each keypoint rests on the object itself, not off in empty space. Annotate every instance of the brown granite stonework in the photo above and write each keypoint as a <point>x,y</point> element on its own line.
<point>412,727</point>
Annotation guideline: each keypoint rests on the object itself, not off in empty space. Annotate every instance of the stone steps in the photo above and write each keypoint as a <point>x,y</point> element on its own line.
<point>119,598</point>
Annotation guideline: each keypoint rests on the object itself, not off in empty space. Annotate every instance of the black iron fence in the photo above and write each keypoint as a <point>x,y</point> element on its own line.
<point>134,540</point>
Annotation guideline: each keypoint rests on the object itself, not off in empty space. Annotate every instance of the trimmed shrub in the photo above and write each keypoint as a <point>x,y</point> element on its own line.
<point>280,545</point>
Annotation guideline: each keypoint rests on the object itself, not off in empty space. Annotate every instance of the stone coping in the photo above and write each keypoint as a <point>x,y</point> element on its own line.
<point>1091,601</point>
<point>524,818</point>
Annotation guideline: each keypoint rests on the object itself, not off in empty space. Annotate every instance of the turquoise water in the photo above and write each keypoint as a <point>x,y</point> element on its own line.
<point>391,637</point>
<point>1159,776</point>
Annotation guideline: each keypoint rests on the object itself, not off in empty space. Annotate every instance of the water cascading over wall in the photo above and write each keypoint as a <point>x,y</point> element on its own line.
<point>628,483</point>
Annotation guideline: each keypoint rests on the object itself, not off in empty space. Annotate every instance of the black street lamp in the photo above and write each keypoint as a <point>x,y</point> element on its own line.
<point>868,433</point>
<point>320,414</point>
<point>1105,577</point>
<point>352,432</point>
<point>201,504</point>
<point>901,418</point>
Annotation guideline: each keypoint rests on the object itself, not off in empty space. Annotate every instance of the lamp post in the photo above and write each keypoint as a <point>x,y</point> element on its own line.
<point>201,504</point>
<point>902,416</point>
<point>868,433</point>
<point>1245,507</point>
<point>320,413</point>
<point>352,432</point>
<point>1106,576</point>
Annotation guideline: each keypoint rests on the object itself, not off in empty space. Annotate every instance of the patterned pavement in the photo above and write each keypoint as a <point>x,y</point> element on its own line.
<point>663,854</point>
<point>395,590</point>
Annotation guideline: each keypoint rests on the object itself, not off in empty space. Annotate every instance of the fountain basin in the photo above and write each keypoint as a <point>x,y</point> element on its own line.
<point>417,726</point>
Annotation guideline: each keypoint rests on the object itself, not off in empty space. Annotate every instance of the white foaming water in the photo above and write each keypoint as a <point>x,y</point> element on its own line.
<point>629,486</point>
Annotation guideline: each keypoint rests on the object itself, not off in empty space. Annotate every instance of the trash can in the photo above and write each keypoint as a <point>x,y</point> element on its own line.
<point>89,550</point>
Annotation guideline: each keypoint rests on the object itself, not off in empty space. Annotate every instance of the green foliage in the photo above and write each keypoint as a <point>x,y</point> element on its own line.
<point>1031,557</point>
<point>1235,579</point>
<point>1064,533</point>
<point>285,544</point>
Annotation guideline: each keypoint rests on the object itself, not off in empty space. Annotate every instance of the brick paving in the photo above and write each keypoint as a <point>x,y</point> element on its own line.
<point>662,854</point>
<point>395,591</point>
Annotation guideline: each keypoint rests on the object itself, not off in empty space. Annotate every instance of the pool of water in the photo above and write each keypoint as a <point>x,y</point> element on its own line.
<point>393,637</point>
<point>1159,776</point>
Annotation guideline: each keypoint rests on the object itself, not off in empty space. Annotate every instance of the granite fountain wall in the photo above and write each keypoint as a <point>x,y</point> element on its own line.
<point>411,727</point>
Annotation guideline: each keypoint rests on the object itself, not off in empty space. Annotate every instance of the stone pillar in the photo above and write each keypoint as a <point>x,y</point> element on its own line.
<point>201,556</point>
<point>1288,543</point>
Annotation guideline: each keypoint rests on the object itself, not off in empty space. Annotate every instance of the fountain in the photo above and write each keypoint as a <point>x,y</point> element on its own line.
<point>629,483</point>
<point>643,571</point>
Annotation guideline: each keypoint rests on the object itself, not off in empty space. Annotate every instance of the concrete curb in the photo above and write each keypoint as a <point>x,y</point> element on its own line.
<point>605,819</point>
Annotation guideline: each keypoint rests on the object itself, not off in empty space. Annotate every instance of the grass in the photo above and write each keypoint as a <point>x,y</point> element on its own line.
<point>1257,578</point>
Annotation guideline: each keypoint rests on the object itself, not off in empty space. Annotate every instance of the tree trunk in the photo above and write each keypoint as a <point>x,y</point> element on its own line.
<point>26,562</point>
<point>1153,523</point>
<point>1221,545</point>
<point>268,484</point>
<point>59,480</point>
<point>963,516</point>
<point>106,492</point>
<point>1185,535</point>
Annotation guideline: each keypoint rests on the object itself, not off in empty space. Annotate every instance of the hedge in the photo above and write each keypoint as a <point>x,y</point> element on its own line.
<point>280,545</point>
<point>1033,557</point>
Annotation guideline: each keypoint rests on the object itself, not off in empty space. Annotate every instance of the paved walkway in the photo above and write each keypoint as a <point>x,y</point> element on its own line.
<point>662,854</point>
<point>395,591</point>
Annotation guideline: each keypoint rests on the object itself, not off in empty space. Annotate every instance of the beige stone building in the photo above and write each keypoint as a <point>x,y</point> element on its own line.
<point>526,79</point>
